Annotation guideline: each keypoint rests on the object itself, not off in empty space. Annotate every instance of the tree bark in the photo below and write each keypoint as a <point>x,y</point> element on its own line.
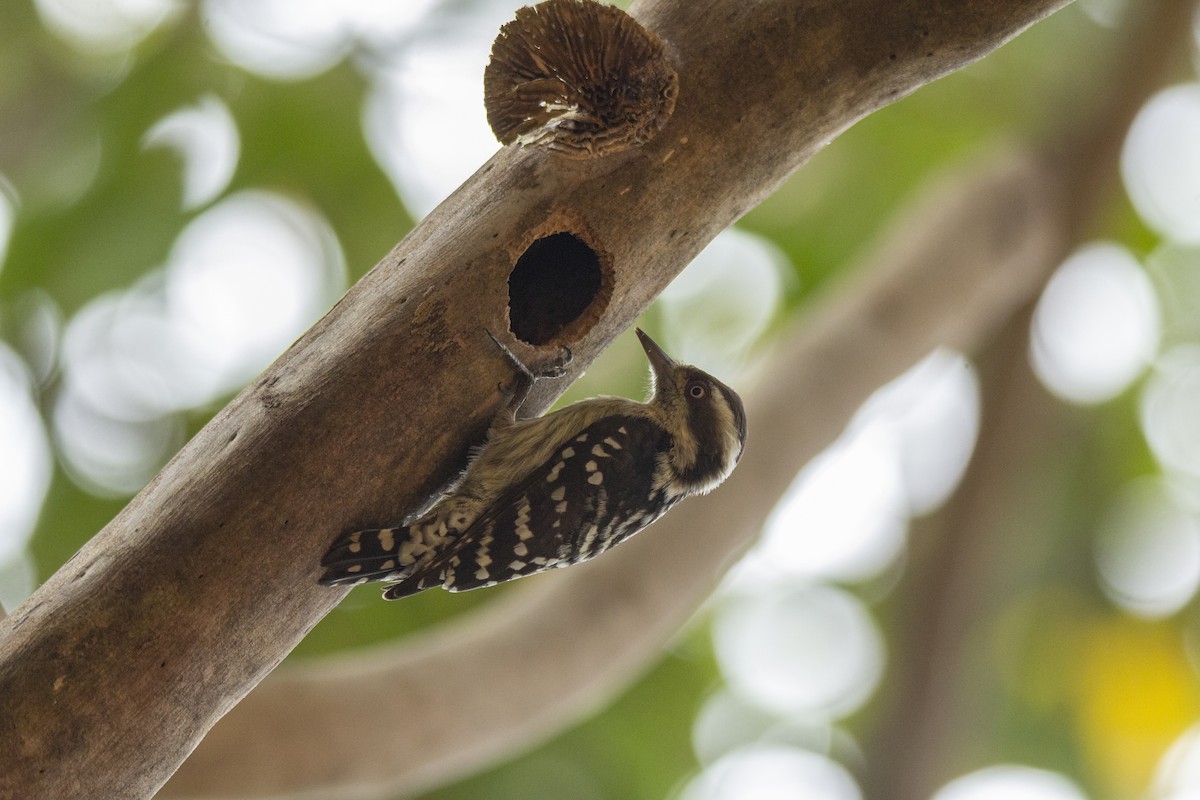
<point>115,668</point>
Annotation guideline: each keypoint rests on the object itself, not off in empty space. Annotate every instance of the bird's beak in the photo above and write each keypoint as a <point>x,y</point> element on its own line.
<point>660,362</point>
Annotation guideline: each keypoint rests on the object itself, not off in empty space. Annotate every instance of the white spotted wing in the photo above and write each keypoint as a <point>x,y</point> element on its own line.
<point>596,490</point>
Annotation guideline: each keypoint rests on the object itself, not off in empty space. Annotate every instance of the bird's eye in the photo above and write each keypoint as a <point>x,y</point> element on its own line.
<point>696,389</point>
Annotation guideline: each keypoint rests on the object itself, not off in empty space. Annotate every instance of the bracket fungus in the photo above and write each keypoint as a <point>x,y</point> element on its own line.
<point>579,77</point>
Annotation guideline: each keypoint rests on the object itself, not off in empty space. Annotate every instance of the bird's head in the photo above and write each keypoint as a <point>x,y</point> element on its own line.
<point>705,418</point>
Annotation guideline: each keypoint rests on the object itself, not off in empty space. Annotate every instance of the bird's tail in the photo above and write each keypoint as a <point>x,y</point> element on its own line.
<point>368,555</point>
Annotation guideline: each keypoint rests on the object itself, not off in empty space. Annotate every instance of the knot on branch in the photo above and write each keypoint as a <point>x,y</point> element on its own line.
<point>579,77</point>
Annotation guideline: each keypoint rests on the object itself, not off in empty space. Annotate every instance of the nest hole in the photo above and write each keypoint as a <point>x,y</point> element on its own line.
<point>552,287</point>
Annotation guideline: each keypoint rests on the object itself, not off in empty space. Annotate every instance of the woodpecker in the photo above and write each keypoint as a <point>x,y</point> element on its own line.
<point>553,491</point>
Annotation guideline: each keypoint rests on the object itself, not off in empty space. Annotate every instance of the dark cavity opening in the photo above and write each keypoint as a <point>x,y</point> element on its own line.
<point>551,286</point>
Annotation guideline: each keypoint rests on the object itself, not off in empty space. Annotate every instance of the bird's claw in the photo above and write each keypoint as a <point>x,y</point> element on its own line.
<point>556,367</point>
<point>546,367</point>
<point>516,390</point>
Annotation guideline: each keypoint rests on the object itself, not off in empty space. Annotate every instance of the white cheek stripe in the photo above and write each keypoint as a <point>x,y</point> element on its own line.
<point>726,423</point>
<point>732,445</point>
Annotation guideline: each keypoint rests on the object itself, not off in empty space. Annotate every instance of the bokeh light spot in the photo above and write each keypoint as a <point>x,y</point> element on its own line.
<point>725,722</point>
<point>720,305</point>
<point>1178,774</point>
<point>844,517</point>
<point>1096,326</point>
<point>1010,782</point>
<point>248,276</point>
<point>812,651</point>
<point>8,215</point>
<point>846,514</point>
<point>772,772</point>
<point>105,26</point>
<point>243,280</point>
<point>18,579</point>
<point>933,410</point>
<point>424,118</point>
<point>107,456</point>
<point>206,138</point>
<point>1148,551</point>
<point>275,38</point>
<point>26,464</point>
<point>1168,410</point>
<point>1105,13</point>
<point>297,39</point>
<point>38,322</point>
<point>120,355</point>
<point>1160,162</point>
<point>1174,271</point>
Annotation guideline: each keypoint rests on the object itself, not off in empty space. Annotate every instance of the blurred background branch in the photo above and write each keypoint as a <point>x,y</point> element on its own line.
<point>970,557</point>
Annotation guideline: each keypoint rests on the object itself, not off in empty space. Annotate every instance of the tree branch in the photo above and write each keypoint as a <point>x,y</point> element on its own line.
<point>115,668</point>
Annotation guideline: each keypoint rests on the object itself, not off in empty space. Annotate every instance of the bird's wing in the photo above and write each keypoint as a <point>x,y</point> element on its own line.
<point>570,508</point>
